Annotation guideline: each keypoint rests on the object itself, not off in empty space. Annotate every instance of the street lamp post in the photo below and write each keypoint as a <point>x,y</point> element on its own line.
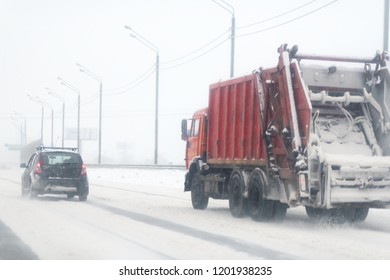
<point>155,49</point>
<point>42,114</point>
<point>99,79</point>
<point>77,91</point>
<point>230,9</point>
<point>52,93</point>
<point>52,116</point>
<point>24,131</point>
<point>21,131</point>
<point>386,27</point>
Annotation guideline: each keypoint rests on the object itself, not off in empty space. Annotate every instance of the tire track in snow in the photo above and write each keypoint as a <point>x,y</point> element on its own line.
<point>12,248</point>
<point>133,191</point>
<point>10,180</point>
<point>234,243</point>
<point>117,235</point>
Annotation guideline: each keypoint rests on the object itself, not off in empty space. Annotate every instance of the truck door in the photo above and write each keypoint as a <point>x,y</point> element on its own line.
<point>192,149</point>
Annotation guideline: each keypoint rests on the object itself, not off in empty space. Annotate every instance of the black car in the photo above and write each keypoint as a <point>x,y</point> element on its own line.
<point>55,171</point>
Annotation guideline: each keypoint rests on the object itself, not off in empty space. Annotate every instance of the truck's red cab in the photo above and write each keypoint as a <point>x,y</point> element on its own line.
<point>194,131</point>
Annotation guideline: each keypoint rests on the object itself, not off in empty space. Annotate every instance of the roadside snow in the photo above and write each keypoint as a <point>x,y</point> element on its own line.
<point>170,178</point>
<point>155,220</point>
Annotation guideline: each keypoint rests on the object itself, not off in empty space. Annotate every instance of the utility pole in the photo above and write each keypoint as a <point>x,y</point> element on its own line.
<point>100,122</point>
<point>77,91</point>
<point>232,39</point>
<point>148,44</point>
<point>386,27</point>
<point>42,113</point>
<point>52,117</point>
<point>99,79</point>
<point>229,8</point>
<point>52,93</point>
<point>23,130</point>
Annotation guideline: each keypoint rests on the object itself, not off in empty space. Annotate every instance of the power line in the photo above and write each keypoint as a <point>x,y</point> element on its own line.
<point>247,34</point>
<point>136,82</point>
<point>277,16</point>
<point>197,50</point>
<point>121,88</point>
<point>91,98</point>
<point>132,87</point>
<point>291,20</point>
<point>196,57</point>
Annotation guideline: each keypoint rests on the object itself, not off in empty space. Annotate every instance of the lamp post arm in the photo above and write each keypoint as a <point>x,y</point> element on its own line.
<point>224,7</point>
<point>89,72</point>
<point>56,95</point>
<point>73,88</point>
<point>44,103</point>
<point>142,39</point>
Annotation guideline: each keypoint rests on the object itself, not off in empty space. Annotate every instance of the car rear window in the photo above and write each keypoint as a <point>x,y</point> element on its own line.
<point>54,158</point>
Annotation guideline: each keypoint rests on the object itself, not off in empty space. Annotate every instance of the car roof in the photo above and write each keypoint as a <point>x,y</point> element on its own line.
<point>56,149</point>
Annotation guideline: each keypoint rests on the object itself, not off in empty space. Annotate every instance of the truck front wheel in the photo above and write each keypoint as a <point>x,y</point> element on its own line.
<point>198,197</point>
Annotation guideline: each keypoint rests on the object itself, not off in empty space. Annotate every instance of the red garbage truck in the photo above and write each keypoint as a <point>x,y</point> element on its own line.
<point>314,131</point>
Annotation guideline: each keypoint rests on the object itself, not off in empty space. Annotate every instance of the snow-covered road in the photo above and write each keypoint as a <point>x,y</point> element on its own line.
<point>144,214</point>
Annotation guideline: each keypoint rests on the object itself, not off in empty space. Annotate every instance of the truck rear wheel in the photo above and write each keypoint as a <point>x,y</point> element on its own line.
<point>198,197</point>
<point>259,207</point>
<point>354,215</point>
<point>237,202</point>
<point>338,215</point>
<point>333,215</point>
<point>280,210</point>
<point>314,213</point>
<point>361,214</point>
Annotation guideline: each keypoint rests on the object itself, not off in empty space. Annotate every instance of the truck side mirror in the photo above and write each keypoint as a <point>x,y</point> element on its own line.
<point>23,165</point>
<point>184,134</point>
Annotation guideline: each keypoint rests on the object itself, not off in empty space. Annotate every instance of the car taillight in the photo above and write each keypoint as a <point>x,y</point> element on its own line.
<point>83,170</point>
<point>38,169</point>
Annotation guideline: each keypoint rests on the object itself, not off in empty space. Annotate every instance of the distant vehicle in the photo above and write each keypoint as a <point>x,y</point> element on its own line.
<point>53,170</point>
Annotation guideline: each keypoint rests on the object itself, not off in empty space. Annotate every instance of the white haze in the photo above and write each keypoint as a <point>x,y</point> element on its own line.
<point>42,40</point>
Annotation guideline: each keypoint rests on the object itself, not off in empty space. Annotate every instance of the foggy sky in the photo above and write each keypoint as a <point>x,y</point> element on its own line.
<point>41,40</point>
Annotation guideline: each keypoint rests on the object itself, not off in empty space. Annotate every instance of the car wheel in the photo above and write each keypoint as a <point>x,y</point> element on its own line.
<point>83,197</point>
<point>24,191</point>
<point>31,192</point>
